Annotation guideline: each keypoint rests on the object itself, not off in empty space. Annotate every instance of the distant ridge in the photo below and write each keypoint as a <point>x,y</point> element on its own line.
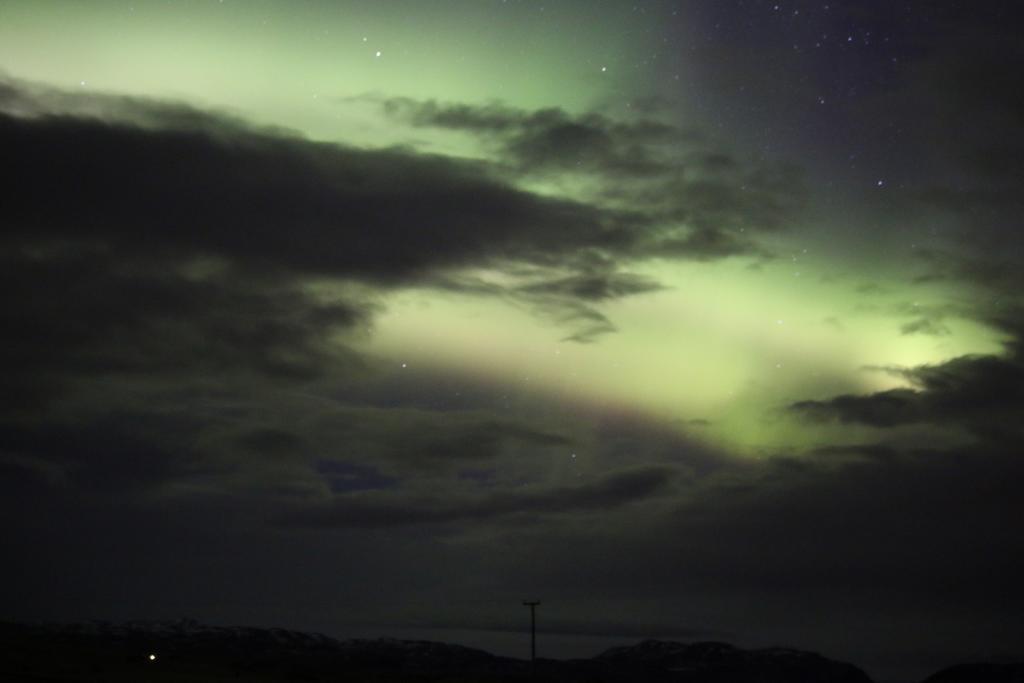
<point>981,672</point>
<point>712,661</point>
<point>187,650</point>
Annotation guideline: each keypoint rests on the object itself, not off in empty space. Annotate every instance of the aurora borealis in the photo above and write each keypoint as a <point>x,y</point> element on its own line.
<point>694,319</point>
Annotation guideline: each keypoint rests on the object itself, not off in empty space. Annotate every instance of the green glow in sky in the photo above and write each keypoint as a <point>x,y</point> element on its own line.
<point>730,342</point>
<point>294,65</point>
<point>724,342</point>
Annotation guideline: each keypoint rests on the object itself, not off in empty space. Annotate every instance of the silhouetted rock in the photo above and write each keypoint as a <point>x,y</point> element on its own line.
<point>722,663</point>
<point>186,650</point>
<point>982,672</point>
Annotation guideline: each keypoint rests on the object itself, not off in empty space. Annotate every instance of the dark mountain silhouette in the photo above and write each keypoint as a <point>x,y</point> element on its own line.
<point>714,662</point>
<point>189,651</point>
<point>980,672</point>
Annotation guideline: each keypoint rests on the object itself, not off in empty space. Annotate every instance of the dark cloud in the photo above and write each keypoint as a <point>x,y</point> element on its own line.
<point>144,439</point>
<point>275,202</point>
<point>997,275</point>
<point>90,169</point>
<point>589,333</point>
<point>115,454</point>
<point>981,394</point>
<point>930,319</point>
<point>551,139</point>
<point>701,201</point>
<point>966,126</point>
<point>405,440</point>
<point>344,477</point>
<point>82,309</point>
<point>925,326</point>
<point>882,409</point>
<point>130,181</point>
<point>708,244</point>
<point>570,300</point>
<point>123,376</point>
<point>859,516</point>
<point>159,254</point>
<point>371,510</point>
<point>567,296</point>
<point>595,286</point>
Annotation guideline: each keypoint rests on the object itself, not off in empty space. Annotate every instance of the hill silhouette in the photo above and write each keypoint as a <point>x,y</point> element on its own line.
<point>191,652</point>
<point>980,672</point>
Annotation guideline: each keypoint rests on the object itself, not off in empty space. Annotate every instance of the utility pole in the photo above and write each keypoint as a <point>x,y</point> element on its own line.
<point>532,604</point>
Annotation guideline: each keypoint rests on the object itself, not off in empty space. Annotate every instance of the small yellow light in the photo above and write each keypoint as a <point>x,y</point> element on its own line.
<point>152,658</point>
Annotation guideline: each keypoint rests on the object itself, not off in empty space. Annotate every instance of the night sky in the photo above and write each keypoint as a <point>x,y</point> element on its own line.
<point>697,320</point>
